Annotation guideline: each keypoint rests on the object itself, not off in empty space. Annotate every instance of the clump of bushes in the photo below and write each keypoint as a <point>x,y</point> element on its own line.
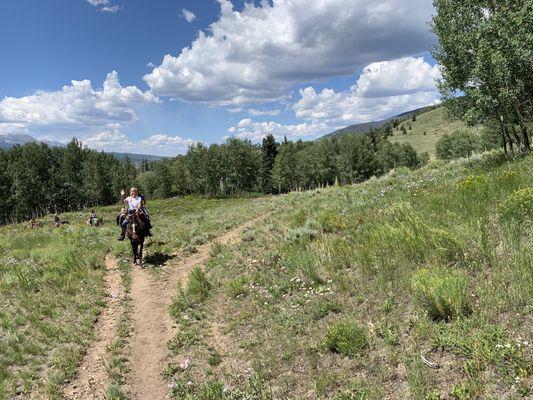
<point>457,145</point>
<point>518,207</point>
<point>475,185</point>
<point>443,294</point>
<point>346,338</point>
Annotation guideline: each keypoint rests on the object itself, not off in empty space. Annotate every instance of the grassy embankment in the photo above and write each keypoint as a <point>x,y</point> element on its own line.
<point>52,286</point>
<point>427,130</point>
<point>416,285</point>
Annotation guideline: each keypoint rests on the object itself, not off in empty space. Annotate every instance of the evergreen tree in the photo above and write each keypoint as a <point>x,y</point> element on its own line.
<point>269,151</point>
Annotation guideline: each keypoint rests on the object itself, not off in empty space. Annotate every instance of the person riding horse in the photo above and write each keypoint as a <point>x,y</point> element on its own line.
<point>93,219</point>
<point>134,202</point>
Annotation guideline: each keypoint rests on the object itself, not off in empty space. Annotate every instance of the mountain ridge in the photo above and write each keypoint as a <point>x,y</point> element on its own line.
<point>359,129</point>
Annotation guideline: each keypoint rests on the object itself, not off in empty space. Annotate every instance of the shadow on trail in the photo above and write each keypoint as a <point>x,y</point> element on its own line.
<point>158,259</point>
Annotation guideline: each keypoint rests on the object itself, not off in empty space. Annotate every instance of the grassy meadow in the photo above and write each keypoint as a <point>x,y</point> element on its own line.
<point>52,286</point>
<point>428,128</point>
<point>415,285</point>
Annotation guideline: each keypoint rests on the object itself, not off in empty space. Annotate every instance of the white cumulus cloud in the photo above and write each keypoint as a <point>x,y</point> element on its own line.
<point>158,144</point>
<point>396,77</point>
<point>255,131</point>
<point>188,15</point>
<point>383,90</point>
<point>76,108</point>
<point>259,53</point>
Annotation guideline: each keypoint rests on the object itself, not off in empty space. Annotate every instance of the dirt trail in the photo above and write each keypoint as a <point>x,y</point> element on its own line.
<point>92,379</point>
<point>152,324</point>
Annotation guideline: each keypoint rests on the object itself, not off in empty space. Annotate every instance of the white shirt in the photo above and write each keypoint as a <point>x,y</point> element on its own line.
<point>133,202</point>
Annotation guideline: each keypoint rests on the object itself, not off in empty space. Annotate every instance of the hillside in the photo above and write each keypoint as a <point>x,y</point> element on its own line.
<point>428,128</point>
<point>366,126</point>
<point>387,289</point>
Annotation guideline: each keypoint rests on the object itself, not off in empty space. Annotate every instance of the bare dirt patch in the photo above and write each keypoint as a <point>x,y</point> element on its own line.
<point>92,379</point>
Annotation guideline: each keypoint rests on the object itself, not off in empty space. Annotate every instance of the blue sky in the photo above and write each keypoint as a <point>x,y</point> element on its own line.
<point>293,68</point>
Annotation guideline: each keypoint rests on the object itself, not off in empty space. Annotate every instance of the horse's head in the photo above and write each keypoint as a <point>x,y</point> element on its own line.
<point>137,226</point>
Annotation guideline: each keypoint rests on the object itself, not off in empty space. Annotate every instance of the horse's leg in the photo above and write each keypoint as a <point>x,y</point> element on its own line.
<point>141,246</point>
<point>134,250</point>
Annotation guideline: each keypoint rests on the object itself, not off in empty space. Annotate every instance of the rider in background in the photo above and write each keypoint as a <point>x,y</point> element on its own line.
<point>122,216</point>
<point>133,203</point>
<point>92,217</point>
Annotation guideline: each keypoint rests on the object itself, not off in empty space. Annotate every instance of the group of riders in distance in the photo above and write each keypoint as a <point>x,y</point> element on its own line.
<point>133,220</point>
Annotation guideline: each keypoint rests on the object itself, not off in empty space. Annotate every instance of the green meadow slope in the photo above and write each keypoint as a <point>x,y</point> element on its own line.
<point>415,285</point>
<point>428,128</point>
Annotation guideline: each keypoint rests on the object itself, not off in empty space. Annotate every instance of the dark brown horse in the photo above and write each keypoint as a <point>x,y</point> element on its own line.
<point>136,231</point>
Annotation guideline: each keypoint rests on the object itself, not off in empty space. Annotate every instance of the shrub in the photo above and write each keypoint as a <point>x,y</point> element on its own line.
<point>346,338</point>
<point>518,206</point>
<point>198,289</point>
<point>301,234</point>
<point>475,186</point>
<point>442,293</point>
<point>237,287</point>
<point>331,221</point>
<point>457,145</point>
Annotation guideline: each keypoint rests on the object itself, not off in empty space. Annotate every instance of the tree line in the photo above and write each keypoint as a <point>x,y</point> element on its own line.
<point>239,167</point>
<point>36,179</point>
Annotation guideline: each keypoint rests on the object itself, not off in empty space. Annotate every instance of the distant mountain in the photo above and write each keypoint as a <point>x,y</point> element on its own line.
<point>10,140</point>
<point>359,129</point>
<point>7,141</point>
<point>137,158</point>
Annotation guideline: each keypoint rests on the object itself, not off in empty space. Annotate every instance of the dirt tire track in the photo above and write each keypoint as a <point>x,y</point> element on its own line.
<point>153,327</point>
<point>92,379</point>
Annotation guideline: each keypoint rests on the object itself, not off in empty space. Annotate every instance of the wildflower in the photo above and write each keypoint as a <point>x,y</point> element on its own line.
<point>185,364</point>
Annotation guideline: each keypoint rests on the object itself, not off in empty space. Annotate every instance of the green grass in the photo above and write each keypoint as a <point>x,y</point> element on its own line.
<point>343,264</point>
<point>52,287</point>
<point>427,130</point>
<point>443,294</point>
<point>346,338</point>
<point>342,289</point>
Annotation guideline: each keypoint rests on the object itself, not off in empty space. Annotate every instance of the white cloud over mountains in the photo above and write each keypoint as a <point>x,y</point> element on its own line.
<point>383,89</point>
<point>259,53</point>
<point>96,116</point>
<point>77,108</point>
<point>159,144</point>
<point>247,129</point>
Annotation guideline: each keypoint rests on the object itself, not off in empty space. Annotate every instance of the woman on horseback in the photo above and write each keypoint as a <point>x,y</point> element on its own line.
<point>134,202</point>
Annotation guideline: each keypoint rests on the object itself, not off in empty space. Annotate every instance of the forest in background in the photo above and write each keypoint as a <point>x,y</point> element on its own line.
<point>37,179</point>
